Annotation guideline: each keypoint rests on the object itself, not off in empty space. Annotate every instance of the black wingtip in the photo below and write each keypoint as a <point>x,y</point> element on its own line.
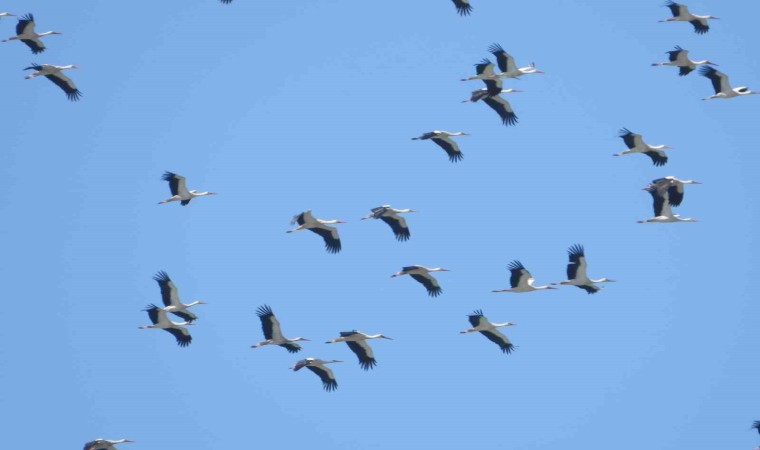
<point>515,265</point>
<point>264,310</point>
<point>435,292</point>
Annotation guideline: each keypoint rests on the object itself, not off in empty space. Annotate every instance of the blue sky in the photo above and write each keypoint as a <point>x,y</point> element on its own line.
<point>287,106</point>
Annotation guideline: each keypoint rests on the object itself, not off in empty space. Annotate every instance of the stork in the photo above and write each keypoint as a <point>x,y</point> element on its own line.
<point>104,444</point>
<point>680,58</point>
<point>271,327</point>
<point>179,190</point>
<point>681,14</point>
<point>721,86</point>
<point>507,63</point>
<point>26,34</point>
<point>443,140</point>
<point>662,211</point>
<point>391,217</point>
<point>463,7</point>
<point>673,186</point>
<point>170,297</point>
<point>330,234</point>
<point>161,322</point>
<point>636,144</point>
<point>576,272</point>
<point>53,73</point>
<point>521,280</point>
<point>318,367</point>
<point>421,274</point>
<point>489,329</point>
<point>357,342</point>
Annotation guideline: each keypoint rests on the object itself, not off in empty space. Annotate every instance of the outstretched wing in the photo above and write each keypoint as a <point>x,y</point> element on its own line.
<point>430,283</point>
<point>398,225</point>
<point>330,236</point>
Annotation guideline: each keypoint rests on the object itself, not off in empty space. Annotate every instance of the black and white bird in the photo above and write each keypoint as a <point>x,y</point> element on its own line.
<point>721,86</point>
<point>636,144</point>
<point>673,186</point>
<point>318,366</point>
<point>391,217</point>
<point>463,7</point>
<point>521,280</point>
<point>443,140</point>
<point>421,274</point>
<point>26,34</point>
<point>272,332</point>
<point>161,322</point>
<point>357,342</point>
<point>681,14</point>
<point>330,234</point>
<point>680,58</point>
<point>576,272</point>
<point>179,189</point>
<point>53,73</point>
<point>661,206</point>
<point>488,329</point>
<point>104,444</point>
<point>170,298</point>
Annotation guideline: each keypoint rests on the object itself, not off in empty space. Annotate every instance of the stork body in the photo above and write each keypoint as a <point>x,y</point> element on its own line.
<point>318,367</point>
<point>53,73</point>
<point>391,217</point>
<point>488,329</point>
<point>272,332</point>
<point>521,280</point>
<point>26,34</point>
<point>170,298</point>
<point>179,190</point>
<point>104,444</point>
<point>636,144</point>
<point>161,322</point>
<point>673,186</point>
<point>680,58</point>
<point>357,342</point>
<point>681,14</point>
<point>318,226</point>
<point>661,206</point>
<point>721,86</point>
<point>443,139</point>
<point>463,7</point>
<point>576,271</point>
<point>421,274</point>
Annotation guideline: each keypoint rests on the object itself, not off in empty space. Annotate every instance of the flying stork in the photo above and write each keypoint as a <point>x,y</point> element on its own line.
<point>330,234</point>
<point>161,322</point>
<point>26,34</point>
<point>53,73</point>
<point>576,271</point>
<point>680,58</point>
<point>662,211</point>
<point>637,145</point>
<point>170,297</point>
<point>673,186</point>
<point>443,140</point>
<point>179,190</point>
<point>271,327</point>
<point>721,86</point>
<point>391,217</point>
<point>421,274</point>
<point>521,280</point>
<point>681,14</point>
<point>104,444</point>
<point>489,329</point>
<point>507,64</point>
<point>463,7</point>
<point>318,366</point>
<point>357,342</point>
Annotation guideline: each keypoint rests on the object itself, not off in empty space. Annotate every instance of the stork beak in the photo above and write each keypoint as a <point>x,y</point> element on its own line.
<point>129,440</point>
<point>386,337</point>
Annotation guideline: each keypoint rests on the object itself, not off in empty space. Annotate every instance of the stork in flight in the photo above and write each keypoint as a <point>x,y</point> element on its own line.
<point>576,271</point>
<point>391,217</point>
<point>271,327</point>
<point>53,73</point>
<point>443,140</point>
<point>170,298</point>
<point>161,322</point>
<point>179,190</point>
<point>673,186</point>
<point>680,58</point>
<point>681,14</point>
<point>521,280</point>
<point>636,144</point>
<point>662,211</point>
<point>104,444</point>
<point>489,329</point>
<point>721,86</point>
<point>318,367</point>
<point>421,274</point>
<point>463,7</point>
<point>357,342</point>
<point>330,234</point>
<point>26,34</point>
<point>507,63</point>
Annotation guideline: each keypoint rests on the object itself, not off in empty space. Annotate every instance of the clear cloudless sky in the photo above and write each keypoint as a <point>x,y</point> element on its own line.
<point>283,106</point>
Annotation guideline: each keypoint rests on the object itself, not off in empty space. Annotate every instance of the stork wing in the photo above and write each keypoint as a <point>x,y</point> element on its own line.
<point>181,335</point>
<point>156,314</point>
<point>590,288</point>
<point>678,54</point>
<point>364,352</point>
<point>520,277</point>
<point>169,293</point>
<point>719,79</point>
<point>269,323</point>
<point>659,157</point>
<point>98,444</point>
<point>450,147</point>
<point>676,9</point>
<point>494,87</point>
<point>505,60</point>
<point>185,315</point>
<point>330,236</point>
<point>477,318</point>
<point>66,84</point>
<point>25,25</point>
<point>463,7</point>
<point>176,184</point>
<point>398,225</point>
<point>484,67</point>
<point>326,375</point>
<point>503,108</point>
<point>430,283</point>
<point>576,268</point>
<point>291,347</point>
<point>499,339</point>
<point>630,138</point>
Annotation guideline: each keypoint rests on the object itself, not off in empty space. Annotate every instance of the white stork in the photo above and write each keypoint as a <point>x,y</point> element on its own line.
<point>521,280</point>
<point>357,342</point>
<point>443,140</point>
<point>681,14</point>
<point>721,86</point>
<point>662,211</point>
<point>53,73</point>
<point>330,234</point>
<point>272,332</point>
<point>104,444</point>
<point>463,7</point>
<point>489,329</point>
<point>636,144</point>
<point>179,189</point>
<point>576,272</point>
<point>318,366</point>
<point>680,58</point>
<point>26,34</point>
<point>391,217</point>
<point>421,274</point>
<point>170,297</point>
<point>673,186</point>
<point>161,322</point>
